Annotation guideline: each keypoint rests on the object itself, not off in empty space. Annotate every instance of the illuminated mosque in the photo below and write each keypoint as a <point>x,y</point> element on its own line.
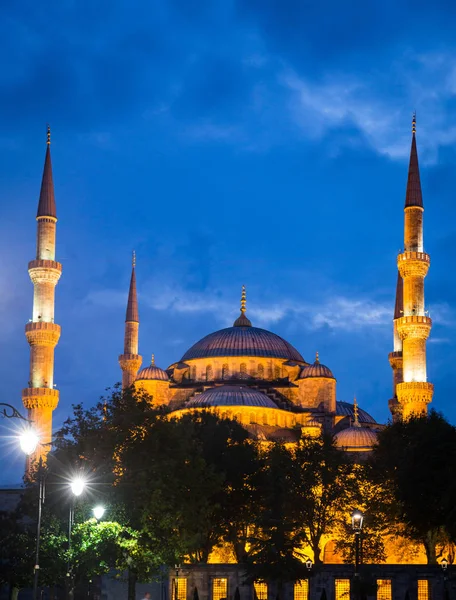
<point>245,372</point>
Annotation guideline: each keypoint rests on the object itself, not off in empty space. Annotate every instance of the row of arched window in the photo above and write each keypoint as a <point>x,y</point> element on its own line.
<point>273,373</point>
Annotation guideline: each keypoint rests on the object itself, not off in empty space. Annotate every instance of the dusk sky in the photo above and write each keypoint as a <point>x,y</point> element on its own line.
<point>256,142</point>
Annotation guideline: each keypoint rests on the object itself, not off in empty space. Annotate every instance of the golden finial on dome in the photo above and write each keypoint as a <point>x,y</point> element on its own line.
<point>356,412</point>
<point>133,259</point>
<point>317,358</point>
<point>152,362</point>
<point>48,135</point>
<point>243,300</point>
<point>414,122</point>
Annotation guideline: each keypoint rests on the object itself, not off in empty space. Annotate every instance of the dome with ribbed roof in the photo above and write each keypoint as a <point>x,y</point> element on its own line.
<point>316,370</point>
<point>243,341</point>
<point>152,372</point>
<point>356,438</point>
<point>346,409</point>
<point>230,395</point>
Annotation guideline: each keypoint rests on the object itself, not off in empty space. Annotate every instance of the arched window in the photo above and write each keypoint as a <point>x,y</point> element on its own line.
<point>193,373</point>
<point>225,371</point>
<point>252,418</point>
<point>243,369</point>
<point>260,372</point>
<point>276,372</point>
<point>209,376</point>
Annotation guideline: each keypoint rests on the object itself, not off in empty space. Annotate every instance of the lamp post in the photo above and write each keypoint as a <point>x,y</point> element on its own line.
<point>77,486</point>
<point>444,565</point>
<point>176,583</point>
<point>29,441</point>
<point>357,519</point>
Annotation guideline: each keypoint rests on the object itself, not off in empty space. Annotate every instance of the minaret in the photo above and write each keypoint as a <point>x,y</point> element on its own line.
<point>40,398</point>
<point>130,361</point>
<point>395,357</point>
<point>414,393</point>
<point>242,320</point>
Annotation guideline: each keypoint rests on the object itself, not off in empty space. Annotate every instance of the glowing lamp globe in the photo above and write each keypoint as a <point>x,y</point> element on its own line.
<point>98,512</point>
<point>29,441</point>
<point>77,486</point>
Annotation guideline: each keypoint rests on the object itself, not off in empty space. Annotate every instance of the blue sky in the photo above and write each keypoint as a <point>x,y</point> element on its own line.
<point>256,142</point>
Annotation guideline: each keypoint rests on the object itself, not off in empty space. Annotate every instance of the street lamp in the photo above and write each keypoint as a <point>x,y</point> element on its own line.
<point>77,486</point>
<point>29,441</point>
<point>357,519</point>
<point>444,565</point>
<point>9,412</point>
<point>98,512</point>
<point>309,565</point>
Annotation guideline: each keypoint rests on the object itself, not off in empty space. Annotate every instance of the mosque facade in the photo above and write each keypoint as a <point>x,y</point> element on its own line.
<point>245,372</point>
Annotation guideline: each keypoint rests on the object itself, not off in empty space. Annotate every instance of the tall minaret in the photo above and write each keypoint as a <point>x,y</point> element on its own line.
<point>40,398</point>
<point>395,357</point>
<point>130,361</point>
<point>414,326</point>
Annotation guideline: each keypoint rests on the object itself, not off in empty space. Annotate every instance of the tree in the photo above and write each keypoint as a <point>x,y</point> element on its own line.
<point>323,487</point>
<point>415,460</point>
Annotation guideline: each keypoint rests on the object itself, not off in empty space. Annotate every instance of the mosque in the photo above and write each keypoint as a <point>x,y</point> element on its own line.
<point>254,376</point>
<point>244,372</point>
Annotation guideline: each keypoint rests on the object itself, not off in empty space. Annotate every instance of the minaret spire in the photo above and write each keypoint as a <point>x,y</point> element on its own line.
<point>130,360</point>
<point>356,413</point>
<point>40,397</point>
<point>242,320</point>
<point>414,393</point>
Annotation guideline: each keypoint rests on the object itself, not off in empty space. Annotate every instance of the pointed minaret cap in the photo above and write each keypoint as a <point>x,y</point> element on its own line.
<point>152,362</point>
<point>132,305</point>
<point>399,306</point>
<point>317,358</point>
<point>46,204</point>
<point>242,320</point>
<point>413,196</point>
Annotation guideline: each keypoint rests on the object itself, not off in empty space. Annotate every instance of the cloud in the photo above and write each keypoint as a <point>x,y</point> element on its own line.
<point>345,100</point>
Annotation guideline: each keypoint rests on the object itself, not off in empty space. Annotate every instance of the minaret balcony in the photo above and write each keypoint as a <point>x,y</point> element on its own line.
<point>414,326</point>
<point>130,362</point>
<point>415,391</point>
<point>44,271</point>
<point>413,264</point>
<point>40,398</point>
<point>42,333</point>
<point>395,359</point>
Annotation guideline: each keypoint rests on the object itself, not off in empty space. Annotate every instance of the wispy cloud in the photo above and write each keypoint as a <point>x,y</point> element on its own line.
<point>428,84</point>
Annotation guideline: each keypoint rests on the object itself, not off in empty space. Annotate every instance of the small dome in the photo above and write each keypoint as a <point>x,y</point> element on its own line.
<point>316,370</point>
<point>356,438</point>
<point>231,395</point>
<point>152,372</point>
<point>345,409</point>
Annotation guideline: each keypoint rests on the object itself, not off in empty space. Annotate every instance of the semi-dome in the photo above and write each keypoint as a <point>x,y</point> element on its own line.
<point>231,395</point>
<point>316,370</point>
<point>243,340</point>
<point>152,372</point>
<point>345,409</point>
<point>356,438</point>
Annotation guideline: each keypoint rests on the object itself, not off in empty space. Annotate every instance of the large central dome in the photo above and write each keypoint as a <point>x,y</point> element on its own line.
<point>243,341</point>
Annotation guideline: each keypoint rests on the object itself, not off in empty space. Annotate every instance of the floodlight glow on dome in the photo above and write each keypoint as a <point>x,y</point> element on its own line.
<point>98,512</point>
<point>78,485</point>
<point>29,441</point>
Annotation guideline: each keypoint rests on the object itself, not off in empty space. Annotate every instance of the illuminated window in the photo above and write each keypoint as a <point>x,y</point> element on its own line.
<point>180,588</point>
<point>261,590</point>
<point>225,371</point>
<point>342,589</point>
<point>384,591</point>
<point>208,373</point>
<point>193,373</point>
<point>423,589</point>
<point>260,372</point>
<point>252,419</point>
<point>301,590</point>
<point>243,369</point>
<point>276,372</point>
<point>219,588</point>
